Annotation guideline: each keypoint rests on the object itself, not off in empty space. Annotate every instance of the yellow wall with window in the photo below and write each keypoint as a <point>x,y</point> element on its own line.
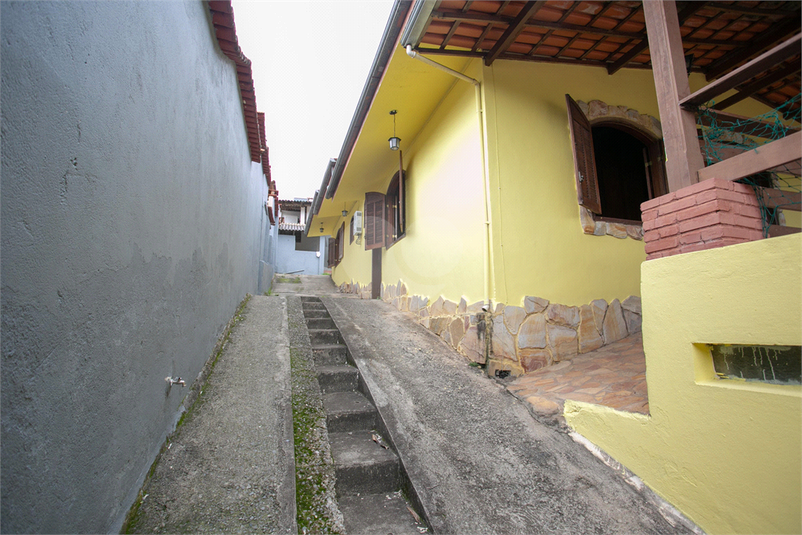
<point>355,265</point>
<point>540,247</point>
<point>727,453</point>
<point>441,253</point>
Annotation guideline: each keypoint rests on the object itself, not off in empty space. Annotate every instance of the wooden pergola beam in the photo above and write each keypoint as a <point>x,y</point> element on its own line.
<point>744,125</point>
<point>747,91</point>
<point>774,154</point>
<point>683,157</point>
<point>744,73</point>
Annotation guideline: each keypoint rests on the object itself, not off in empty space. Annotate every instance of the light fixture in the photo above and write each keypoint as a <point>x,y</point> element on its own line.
<point>395,142</point>
<point>345,212</point>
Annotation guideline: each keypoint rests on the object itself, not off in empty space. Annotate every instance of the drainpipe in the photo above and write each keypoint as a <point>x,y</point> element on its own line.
<point>487,250</point>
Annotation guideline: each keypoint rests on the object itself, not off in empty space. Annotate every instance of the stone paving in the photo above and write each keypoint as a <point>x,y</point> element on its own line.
<point>614,375</point>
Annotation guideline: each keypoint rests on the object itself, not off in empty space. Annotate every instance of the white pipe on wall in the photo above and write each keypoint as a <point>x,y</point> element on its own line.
<point>487,249</point>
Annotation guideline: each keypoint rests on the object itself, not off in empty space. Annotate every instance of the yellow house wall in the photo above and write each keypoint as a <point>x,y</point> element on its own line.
<point>356,262</point>
<point>441,253</point>
<point>540,248</point>
<point>726,453</point>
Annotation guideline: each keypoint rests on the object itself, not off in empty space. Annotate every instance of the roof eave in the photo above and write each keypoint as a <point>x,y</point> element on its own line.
<point>392,32</point>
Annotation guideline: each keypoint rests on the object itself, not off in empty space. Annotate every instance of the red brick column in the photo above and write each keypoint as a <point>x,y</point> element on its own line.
<point>706,215</point>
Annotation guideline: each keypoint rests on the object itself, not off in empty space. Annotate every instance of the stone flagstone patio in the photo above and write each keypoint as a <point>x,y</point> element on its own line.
<point>614,376</point>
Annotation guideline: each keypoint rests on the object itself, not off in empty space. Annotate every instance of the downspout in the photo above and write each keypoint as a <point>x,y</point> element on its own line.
<point>487,250</point>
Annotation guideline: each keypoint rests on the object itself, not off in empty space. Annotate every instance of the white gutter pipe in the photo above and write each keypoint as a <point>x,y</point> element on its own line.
<point>487,249</point>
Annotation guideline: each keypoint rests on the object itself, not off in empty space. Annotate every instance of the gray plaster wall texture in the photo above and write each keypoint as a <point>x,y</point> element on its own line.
<point>290,260</point>
<point>132,226</point>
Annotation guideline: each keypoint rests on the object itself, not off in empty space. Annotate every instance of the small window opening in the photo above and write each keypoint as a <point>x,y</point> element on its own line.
<point>766,364</point>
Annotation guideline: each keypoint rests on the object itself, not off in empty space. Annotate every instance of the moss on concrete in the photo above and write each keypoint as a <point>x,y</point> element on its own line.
<point>316,503</point>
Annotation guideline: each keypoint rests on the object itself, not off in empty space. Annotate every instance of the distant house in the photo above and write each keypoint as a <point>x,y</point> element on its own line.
<point>297,253</point>
<point>136,210</point>
<point>544,157</point>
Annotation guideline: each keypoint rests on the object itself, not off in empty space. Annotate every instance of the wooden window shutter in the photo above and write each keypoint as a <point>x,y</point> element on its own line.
<point>374,220</point>
<point>587,182</point>
<point>351,230</point>
<point>389,216</point>
<point>331,252</point>
<point>340,242</point>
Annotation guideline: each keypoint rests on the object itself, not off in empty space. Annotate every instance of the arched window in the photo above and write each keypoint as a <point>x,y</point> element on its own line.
<point>617,165</point>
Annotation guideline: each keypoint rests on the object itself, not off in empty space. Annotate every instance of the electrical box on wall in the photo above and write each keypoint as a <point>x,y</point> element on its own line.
<point>357,222</point>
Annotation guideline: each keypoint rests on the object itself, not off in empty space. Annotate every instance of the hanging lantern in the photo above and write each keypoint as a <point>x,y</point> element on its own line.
<point>395,141</point>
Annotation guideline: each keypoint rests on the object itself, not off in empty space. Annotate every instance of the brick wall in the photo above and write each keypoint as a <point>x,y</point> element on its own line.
<point>709,214</point>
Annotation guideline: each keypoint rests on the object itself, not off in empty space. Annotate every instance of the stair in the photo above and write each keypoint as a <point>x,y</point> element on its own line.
<point>369,474</point>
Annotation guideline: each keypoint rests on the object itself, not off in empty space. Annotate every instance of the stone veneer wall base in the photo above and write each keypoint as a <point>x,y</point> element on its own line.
<point>517,339</point>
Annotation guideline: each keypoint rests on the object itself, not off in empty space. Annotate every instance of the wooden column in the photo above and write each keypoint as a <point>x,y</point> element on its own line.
<point>683,157</point>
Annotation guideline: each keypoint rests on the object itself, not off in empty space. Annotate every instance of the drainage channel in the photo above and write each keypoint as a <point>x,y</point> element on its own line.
<point>370,479</point>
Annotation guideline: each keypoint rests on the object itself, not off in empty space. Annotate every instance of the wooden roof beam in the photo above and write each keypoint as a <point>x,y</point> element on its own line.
<point>734,8</point>
<point>513,30</point>
<point>689,9</point>
<point>450,34</point>
<point>760,43</point>
<point>747,91</point>
<point>576,36</point>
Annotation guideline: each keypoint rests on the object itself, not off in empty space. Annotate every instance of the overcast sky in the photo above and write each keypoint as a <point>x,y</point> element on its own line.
<point>310,63</point>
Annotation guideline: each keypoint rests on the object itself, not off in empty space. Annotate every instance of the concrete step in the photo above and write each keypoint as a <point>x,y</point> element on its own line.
<point>338,378</point>
<point>368,514</point>
<point>309,299</point>
<point>362,466</point>
<point>330,354</point>
<point>324,337</point>
<point>349,411</point>
<point>313,305</point>
<point>316,313</point>
<point>320,323</point>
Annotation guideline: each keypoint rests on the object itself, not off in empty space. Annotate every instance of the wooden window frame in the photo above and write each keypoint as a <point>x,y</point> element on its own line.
<point>586,175</point>
<point>340,245</point>
<point>331,253</point>
<point>395,210</point>
<point>336,248</point>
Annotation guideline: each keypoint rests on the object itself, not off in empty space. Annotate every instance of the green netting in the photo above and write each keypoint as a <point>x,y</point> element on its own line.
<point>724,136</point>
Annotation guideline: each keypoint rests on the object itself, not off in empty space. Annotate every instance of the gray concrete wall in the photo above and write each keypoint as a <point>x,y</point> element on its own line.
<point>131,229</point>
<point>267,264</point>
<point>289,260</point>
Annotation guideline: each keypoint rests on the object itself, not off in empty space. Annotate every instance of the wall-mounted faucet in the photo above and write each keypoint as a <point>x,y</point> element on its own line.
<point>175,381</point>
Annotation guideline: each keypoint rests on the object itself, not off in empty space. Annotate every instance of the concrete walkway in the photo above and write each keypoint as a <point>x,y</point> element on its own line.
<point>479,461</point>
<point>229,467</point>
<point>303,285</point>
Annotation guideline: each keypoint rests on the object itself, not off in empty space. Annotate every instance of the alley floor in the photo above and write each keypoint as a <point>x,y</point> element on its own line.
<point>478,460</point>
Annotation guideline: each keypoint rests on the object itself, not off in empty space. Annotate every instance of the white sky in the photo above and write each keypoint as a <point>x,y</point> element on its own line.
<point>310,61</point>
